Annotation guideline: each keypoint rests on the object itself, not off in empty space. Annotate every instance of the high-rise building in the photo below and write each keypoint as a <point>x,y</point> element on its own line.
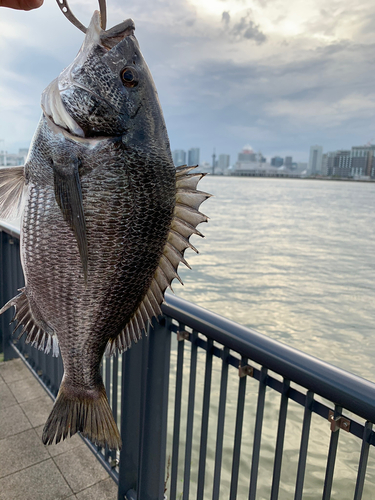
<point>224,162</point>
<point>328,160</point>
<point>341,163</point>
<point>362,160</point>
<point>357,162</point>
<point>193,156</point>
<point>277,161</point>
<point>315,160</point>
<point>288,161</point>
<point>179,157</point>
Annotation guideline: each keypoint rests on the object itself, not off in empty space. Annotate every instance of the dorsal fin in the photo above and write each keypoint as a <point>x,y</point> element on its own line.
<point>185,219</point>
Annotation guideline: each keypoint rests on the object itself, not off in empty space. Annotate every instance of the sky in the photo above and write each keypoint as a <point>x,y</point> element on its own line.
<point>277,75</point>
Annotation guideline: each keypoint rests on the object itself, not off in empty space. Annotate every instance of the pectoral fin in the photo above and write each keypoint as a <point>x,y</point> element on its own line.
<point>12,191</point>
<point>68,194</point>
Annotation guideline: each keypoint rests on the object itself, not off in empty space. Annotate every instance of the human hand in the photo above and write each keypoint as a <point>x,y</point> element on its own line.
<point>21,4</point>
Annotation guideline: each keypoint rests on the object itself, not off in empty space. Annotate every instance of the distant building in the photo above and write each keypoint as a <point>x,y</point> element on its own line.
<point>363,161</point>
<point>277,161</point>
<point>13,159</point>
<point>251,164</point>
<point>223,162</point>
<point>193,156</point>
<point>288,161</point>
<point>315,160</point>
<point>179,157</point>
<point>351,163</point>
<point>342,163</point>
<point>328,160</point>
<point>247,154</point>
<point>261,158</point>
<point>337,163</point>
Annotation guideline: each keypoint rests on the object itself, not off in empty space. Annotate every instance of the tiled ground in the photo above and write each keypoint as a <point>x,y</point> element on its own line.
<point>30,470</point>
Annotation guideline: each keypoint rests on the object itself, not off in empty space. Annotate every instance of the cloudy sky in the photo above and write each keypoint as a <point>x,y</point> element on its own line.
<point>278,75</point>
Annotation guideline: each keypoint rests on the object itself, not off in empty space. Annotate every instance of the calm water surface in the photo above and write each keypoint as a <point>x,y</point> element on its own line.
<point>293,259</point>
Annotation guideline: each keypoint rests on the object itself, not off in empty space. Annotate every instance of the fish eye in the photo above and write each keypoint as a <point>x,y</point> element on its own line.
<point>129,77</point>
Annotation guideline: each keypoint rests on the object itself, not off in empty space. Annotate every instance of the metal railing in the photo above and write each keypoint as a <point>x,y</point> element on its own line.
<point>210,409</point>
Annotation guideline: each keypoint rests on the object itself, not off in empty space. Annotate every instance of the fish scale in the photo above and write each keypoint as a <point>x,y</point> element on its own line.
<point>106,222</point>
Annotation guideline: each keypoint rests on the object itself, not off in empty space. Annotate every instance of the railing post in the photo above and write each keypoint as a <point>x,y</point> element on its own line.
<point>155,412</point>
<point>131,380</point>
<point>144,407</point>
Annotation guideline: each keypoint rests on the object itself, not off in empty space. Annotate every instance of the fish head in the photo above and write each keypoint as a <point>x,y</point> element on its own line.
<point>108,89</point>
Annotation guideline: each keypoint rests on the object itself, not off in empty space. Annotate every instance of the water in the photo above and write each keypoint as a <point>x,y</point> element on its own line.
<point>293,259</point>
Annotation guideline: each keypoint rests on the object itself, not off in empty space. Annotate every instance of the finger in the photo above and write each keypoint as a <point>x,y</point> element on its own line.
<point>21,4</point>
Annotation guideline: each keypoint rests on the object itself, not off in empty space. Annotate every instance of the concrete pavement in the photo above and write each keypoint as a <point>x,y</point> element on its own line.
<point>28,469</point>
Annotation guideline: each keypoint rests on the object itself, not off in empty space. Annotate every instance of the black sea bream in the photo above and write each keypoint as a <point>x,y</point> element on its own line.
<point>106,221</point>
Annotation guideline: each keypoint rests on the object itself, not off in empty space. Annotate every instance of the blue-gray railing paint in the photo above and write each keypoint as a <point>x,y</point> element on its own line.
<point>145,386</point>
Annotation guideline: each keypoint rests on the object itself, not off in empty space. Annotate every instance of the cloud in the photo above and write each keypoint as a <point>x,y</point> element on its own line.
<point>225,17</point>
<point>213,89</point>
<point>246,28</point>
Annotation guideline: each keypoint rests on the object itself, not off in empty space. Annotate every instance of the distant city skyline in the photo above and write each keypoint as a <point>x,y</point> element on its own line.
<point>356,162</point>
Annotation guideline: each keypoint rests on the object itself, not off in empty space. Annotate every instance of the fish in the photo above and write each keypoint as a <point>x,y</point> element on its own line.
<point>106,220</point>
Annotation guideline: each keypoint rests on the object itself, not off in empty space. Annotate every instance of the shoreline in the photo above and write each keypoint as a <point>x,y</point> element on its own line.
<point>294,177</point>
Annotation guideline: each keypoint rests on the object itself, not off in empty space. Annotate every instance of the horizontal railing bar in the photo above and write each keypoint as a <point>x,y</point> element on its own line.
<point>343,388</point>
<point>10,229</point>
<point>298,397</point>
<point>355,427</point>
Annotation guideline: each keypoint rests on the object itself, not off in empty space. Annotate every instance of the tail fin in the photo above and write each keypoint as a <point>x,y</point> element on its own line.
<point>87,412</point>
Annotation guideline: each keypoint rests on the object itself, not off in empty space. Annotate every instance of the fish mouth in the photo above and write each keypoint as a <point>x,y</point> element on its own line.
<point>110,38</point>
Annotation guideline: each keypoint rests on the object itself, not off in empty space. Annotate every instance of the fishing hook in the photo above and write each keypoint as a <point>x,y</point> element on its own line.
<point>64,7</point>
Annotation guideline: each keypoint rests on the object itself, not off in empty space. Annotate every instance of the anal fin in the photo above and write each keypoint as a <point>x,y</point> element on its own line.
<point>39,333</point>
<point>68,194</point>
